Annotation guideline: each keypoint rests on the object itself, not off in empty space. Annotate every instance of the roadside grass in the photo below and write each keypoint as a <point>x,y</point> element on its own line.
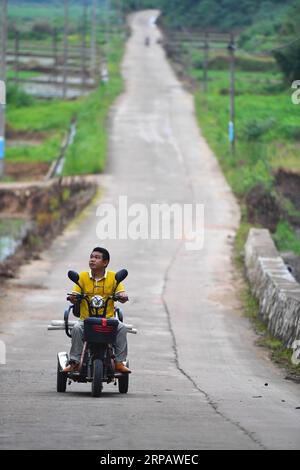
<point>267,127</point>
<point>89,150</point>
<point>285,238</point>
<point>267,130</point>
<point>87,154</point>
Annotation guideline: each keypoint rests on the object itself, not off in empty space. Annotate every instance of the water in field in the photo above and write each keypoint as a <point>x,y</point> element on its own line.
<point>12,233</point>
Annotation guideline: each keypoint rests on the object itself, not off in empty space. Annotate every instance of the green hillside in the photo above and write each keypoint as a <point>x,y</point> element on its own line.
<point>223,15</point>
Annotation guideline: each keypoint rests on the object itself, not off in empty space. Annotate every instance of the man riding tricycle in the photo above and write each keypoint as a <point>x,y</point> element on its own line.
<point>99,339</point>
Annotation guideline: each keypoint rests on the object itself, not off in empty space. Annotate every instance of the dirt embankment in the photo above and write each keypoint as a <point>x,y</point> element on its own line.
<point>267,209</point>
<point>25,171</point>
<point>21,171</point>
<point>49,205</point>
<point>288,184</point>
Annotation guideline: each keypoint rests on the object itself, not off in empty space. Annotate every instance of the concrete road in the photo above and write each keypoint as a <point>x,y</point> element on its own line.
<point>198,381</point>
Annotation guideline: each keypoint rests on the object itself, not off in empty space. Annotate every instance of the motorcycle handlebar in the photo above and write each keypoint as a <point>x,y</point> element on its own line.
<point>115,297</point>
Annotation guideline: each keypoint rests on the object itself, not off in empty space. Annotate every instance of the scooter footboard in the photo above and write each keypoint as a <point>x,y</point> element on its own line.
<point>100,330</point>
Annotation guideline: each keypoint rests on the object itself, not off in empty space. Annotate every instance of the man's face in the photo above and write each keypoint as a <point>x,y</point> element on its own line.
<point>96,261</point>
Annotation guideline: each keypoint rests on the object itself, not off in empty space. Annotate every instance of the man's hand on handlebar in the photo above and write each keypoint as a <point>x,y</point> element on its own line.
<point>121,297</point>
<point>73,298</point>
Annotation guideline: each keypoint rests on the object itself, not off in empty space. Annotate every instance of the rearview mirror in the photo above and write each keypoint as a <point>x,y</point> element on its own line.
<point>73,276</point>
<point>121,275</point>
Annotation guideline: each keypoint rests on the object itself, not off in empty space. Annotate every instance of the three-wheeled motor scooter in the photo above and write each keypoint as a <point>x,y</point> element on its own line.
<point>97,358</point>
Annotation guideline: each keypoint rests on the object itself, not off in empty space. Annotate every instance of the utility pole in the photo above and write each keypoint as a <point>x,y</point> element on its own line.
<point>2,84</point>
<point>205,63</point>
<point>107,27</point>
<point>17,51</point>
<point>55,58</point>
<point>83,45</point>
<point>231,128</point>
<point>93,38</point>
<point>65,55</point>
<point>121,12</point>
<point>106,48</point>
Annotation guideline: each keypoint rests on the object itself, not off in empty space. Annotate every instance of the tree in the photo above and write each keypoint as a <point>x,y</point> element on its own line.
<point>289,62</point>
<point>288,58</point>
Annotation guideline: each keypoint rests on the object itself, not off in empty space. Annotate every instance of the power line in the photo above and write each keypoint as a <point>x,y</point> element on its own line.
<point>269,52</point>
<point>286,45</point>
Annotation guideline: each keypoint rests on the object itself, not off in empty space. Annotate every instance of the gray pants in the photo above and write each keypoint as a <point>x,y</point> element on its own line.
<point>120,345</point>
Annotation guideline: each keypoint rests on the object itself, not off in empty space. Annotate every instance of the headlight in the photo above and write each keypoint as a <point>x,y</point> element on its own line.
<point>97,301</point>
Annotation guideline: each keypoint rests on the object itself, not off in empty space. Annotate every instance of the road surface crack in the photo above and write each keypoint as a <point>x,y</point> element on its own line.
<point>208,398</point>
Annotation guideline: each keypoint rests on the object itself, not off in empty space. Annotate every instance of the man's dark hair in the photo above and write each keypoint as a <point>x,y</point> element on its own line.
<point>104,252</point>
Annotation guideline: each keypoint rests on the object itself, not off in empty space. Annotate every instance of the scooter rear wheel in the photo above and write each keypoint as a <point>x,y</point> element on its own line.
<point>97,385</point>
<point>61,382</point>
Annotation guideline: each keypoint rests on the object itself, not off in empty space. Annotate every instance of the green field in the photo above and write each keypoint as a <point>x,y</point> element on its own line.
<point>267,134</point>
<point>45,123</point>
<point>52,118</point>
<point>38,127</point>
<point>26,13</point>
<point>267,126</point>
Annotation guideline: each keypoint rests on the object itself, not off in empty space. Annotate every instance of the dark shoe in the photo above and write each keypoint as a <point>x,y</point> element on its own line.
<point>119,367</point>
<point>72,367</point>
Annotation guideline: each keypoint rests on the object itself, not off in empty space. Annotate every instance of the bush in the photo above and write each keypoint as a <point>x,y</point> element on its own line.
<point>291,132</point>
<point>41,30</point>
<point>17,97</point>
<point>255,129</point>
<point>286,239</point>
<point>289,62</point>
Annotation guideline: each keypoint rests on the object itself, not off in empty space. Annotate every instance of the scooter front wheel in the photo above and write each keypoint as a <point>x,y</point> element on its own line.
<point>97,384</point>
<point>124,381</point>
<point>61,381</point>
